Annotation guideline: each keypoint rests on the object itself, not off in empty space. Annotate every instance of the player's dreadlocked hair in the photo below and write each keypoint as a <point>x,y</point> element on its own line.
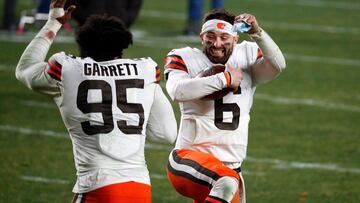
<point>103,38</point>
<point>220,14</point>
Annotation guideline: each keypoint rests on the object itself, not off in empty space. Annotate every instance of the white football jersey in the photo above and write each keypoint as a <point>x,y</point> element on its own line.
<point>105,107</point>
<point>218,127</point>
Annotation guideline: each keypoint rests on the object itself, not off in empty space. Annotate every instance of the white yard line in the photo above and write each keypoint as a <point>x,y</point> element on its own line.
<point>323,60</point>
<point>311,27</point>
<point>44,180</point>
<point>157,176</point>
<point>29,131</point>
<point>7,67</point>
<point>50,133</point>
<point>164,14</point>
<point>28,36</point>
<point>307,102</point>
<point>276,163</point>
<point>159,147</point>
<point>280,164</point>
<point>32,103</point>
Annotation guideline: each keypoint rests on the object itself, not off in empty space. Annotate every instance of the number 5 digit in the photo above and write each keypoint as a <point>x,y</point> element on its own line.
<point>121,86</point>
<point>105,107</point>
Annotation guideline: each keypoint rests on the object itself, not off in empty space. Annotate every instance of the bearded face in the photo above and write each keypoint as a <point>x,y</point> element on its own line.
<point>218,46</point>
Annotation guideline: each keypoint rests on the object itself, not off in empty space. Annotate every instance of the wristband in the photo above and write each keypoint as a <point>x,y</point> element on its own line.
<point>228,78</point>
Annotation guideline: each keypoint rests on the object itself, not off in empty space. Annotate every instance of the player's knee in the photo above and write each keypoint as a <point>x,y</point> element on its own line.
<point>229,184</point>
<point>225,188</point>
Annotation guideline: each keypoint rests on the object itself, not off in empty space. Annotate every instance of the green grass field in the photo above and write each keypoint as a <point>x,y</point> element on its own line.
<point>304,140</point>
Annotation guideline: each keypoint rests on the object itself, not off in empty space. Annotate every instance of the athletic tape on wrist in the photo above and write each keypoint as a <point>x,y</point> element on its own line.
<point>56,13</point>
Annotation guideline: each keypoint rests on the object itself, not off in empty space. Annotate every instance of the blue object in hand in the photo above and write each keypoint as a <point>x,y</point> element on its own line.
<point>241,27</point>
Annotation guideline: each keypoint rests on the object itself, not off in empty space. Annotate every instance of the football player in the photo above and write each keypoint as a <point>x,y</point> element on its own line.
<point>108,105</point>
<point>213,134</point>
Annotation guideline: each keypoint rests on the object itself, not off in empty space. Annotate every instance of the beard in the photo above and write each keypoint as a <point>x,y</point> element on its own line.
<point>209,50</point>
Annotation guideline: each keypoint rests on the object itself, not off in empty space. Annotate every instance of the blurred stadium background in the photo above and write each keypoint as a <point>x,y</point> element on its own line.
<point>304,141</point>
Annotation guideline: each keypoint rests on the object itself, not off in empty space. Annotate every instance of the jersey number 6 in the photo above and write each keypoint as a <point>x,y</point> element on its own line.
<point>105,107</point>
<point>221,107</point>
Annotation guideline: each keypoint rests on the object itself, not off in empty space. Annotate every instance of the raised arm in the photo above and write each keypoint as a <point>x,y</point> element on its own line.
<point>31,68</point>
<point>273,60</point>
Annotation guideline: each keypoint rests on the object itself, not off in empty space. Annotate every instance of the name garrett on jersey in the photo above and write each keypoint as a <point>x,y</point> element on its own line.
<point>121,69</point>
